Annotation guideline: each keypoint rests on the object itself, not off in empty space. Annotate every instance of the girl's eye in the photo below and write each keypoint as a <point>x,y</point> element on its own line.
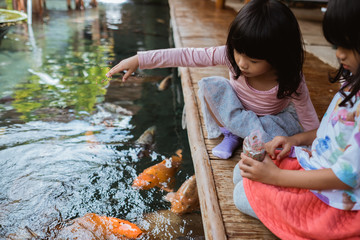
<point>253,61</point>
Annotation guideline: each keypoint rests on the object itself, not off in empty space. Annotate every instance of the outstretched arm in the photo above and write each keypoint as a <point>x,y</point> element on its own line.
<point>129,65</point>
<point>171,57</point>
<point>267,172</point>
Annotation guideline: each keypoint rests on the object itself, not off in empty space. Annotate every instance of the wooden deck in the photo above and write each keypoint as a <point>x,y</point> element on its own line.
<point>200,24</point>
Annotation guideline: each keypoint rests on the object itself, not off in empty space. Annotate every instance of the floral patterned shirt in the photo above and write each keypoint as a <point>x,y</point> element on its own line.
<point>337,146</point>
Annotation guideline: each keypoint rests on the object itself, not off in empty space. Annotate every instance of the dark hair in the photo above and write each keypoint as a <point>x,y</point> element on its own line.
<point>341,28</point>
<point>268,30</point>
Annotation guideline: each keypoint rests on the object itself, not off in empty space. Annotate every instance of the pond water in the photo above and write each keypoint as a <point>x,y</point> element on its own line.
<point>63,151</point>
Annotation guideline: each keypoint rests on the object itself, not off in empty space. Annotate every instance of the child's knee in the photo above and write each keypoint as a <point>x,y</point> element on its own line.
<point>217,81</point>
<point>240,200</point>
<point>213,87</point>
<point>236,175</point>
<point>238,195</point>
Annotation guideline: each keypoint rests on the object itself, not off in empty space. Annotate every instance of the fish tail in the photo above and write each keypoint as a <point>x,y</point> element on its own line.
<point>179,152</point>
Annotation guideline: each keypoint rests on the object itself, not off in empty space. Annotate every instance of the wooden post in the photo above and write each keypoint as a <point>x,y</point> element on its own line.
<point>38,6</point>
<point>210,210</point>
<point>19,5</point>
<point>220,4</point>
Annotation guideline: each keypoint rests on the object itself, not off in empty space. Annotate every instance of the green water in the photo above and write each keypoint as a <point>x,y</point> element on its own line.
<point>62,153</point>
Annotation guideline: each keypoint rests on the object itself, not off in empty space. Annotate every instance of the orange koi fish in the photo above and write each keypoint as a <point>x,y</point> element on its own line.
<point>186,199</point>
<point>92,142</point>
<point>164,84</point>
<point>146,141</point>
<point>120,227</point>
<point>160,175</point>
<point>164,225</point>
<point>90,138</point>
<point>93,226</point>
<point>148,137</point>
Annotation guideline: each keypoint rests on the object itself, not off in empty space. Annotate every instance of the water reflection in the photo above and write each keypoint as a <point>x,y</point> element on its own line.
<point>63,152</point>
<point>113,15</point>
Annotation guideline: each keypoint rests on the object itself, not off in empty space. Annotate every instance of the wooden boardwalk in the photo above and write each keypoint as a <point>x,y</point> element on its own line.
<point>200,24</point>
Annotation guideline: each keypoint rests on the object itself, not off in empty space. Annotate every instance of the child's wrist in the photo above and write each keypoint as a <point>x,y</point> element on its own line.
<point>295,141</point>
<point>277,177</point>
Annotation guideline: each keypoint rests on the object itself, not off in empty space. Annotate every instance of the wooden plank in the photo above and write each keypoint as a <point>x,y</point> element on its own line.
<point>237,224</point>
<point>201,24</point>
<point>220,217</point>
<point>210,210</point>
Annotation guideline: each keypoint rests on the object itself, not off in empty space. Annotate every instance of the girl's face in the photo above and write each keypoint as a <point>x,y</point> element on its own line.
<point>349,58</point>
<point>251,67</point>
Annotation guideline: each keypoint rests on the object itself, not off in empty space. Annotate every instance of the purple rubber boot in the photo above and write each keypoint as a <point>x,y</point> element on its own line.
<point>226,148</point>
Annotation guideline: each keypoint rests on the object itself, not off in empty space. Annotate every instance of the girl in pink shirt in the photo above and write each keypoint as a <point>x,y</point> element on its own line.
<point>266,90</point>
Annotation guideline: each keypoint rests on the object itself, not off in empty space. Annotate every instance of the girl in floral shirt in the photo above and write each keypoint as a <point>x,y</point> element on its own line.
<point>317,194</point>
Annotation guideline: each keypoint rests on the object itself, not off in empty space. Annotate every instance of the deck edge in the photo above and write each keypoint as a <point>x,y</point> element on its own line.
<point>210,209</point>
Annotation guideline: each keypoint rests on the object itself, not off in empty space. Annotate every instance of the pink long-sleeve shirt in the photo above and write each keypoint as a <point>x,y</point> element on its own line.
<point>260,102</point>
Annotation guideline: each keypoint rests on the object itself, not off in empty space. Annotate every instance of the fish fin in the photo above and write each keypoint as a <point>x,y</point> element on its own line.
<point>120,227</point>
<point>179,152</point>
<point>144,181</point>
<point>170,196</point>
<point>164,84</point>
<point>167,189</point>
